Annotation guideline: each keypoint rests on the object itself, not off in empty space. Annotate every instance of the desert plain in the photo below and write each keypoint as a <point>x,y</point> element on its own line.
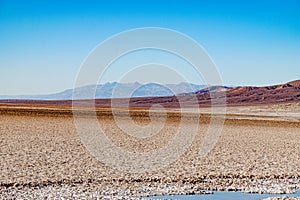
<point>42,155</point>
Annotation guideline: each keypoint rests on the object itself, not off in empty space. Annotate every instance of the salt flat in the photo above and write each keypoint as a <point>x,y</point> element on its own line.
<point>42,154</point>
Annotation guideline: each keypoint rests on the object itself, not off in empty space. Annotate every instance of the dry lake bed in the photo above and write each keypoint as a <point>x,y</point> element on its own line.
<point>42,156</point>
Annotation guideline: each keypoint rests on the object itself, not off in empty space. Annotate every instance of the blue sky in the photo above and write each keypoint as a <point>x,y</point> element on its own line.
<point>43,43</point>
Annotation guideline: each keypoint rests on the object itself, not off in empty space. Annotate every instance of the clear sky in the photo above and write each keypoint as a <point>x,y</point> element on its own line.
<point>43,43</point>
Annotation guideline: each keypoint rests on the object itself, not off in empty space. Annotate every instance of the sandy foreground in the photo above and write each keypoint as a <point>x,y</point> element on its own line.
<point>42,155</point>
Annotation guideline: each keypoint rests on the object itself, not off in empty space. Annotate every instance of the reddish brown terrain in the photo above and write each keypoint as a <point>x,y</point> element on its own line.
<point>233,96</point>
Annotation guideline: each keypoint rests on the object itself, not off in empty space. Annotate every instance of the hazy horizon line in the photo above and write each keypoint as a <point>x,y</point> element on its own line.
<point>145,83</point>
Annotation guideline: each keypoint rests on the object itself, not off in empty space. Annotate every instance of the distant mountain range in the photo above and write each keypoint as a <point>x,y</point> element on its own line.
<point>251,95</point>
<point>158,94</point>
<point>115,90</point>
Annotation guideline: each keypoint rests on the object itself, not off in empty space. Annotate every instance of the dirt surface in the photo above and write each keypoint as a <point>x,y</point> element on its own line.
<point>40,149</point>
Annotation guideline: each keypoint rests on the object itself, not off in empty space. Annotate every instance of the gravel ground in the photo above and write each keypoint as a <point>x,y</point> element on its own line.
<point>283,198</point>
<point>42,157</point>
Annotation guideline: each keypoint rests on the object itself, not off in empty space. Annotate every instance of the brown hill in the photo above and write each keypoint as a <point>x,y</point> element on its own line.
<point>232,96</point>
<point>289,92</point>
